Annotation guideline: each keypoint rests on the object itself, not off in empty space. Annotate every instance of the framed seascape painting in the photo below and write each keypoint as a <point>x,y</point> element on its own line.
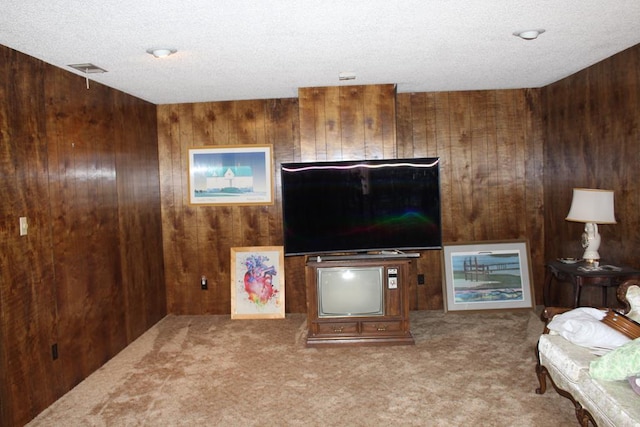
<point>257,282</point>
<point>231,175</point>
<point>487,276</point>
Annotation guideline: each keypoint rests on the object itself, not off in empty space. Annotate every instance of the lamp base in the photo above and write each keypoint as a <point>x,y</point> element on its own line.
<point>591,242</point>
<point>591,259</point>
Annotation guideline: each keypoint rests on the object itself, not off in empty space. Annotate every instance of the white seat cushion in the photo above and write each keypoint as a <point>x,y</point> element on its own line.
<point>570,359</point>
<point>615,401</point>
<point>611,403</point>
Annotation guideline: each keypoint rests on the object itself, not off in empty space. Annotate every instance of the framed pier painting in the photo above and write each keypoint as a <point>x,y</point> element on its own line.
<point>487,276</point>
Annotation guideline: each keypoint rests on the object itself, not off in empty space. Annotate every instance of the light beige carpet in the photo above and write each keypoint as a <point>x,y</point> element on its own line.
<point>465,369</point>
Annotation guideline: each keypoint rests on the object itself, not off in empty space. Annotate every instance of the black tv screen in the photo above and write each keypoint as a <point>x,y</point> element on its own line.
<point>361,206</point>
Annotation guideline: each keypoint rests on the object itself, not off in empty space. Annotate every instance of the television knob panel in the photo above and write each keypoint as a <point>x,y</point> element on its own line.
<point>392,278</point>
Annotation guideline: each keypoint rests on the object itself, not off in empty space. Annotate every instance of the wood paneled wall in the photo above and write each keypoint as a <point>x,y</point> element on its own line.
<point>197,239</point>
<point>490,147</point>
<point>347,122</point>
<point>82,166</point>
<point>28,318</point>
<point>592,126</point>
<point>489,142</point>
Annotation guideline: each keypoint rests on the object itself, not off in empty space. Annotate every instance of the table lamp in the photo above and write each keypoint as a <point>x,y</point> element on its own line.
<point>593,207</point>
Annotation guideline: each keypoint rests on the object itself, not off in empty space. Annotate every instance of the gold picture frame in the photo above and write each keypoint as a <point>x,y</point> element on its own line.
<point>231,175</point>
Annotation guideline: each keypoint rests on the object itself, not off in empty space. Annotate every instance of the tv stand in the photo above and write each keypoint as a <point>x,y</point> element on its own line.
<point>389,328</point>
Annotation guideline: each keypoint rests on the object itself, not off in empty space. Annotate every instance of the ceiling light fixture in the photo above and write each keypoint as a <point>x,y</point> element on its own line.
<point>161,52</point>
<point>528,34</point>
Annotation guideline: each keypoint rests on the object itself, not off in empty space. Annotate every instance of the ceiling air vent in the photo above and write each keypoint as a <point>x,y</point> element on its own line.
<point>347,75</point>
<point>88,68</point>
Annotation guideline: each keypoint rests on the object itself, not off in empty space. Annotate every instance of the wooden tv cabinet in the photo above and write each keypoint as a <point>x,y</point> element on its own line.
<point>391,328</point>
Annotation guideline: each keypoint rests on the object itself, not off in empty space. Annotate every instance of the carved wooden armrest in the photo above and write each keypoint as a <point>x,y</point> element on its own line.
<point>622,323</point>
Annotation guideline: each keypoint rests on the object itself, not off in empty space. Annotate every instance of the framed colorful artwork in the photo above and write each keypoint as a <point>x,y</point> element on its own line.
<point>257,282</point>
<point>231,175</point>
<point>487,276</point>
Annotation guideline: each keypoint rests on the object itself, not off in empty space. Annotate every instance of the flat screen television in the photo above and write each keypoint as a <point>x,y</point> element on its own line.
<point>350,291</point>
<point>361,206</point>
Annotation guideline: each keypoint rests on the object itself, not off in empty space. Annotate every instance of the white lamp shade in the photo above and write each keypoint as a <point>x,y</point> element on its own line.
<point>592,205</point>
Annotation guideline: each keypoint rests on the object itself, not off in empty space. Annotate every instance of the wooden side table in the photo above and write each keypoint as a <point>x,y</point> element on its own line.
<point>571,273</point>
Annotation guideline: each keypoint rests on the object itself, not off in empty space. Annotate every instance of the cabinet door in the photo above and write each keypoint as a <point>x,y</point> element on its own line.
<point>393,306</point>
<point>338,328</point>
<point>381,327</point>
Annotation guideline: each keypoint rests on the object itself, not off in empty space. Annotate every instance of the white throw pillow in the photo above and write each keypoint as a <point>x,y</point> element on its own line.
<point>582,326</point>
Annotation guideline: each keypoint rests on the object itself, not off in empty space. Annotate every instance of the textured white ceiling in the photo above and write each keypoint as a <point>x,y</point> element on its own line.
<point>240,49</point>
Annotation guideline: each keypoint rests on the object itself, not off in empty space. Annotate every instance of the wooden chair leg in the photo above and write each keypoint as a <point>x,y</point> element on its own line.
<point>584,417</point>
<point>541,372</point>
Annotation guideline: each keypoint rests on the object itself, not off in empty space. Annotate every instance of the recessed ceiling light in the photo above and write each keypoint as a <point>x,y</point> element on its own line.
<point>529,34</point>
<point>161,52</point>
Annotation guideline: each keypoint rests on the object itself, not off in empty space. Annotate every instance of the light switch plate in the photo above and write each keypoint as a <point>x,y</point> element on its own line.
<point>24,226</point>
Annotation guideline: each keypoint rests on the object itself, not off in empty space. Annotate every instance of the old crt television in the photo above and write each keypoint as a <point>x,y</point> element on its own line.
<point>360,206</point>
<point>350,291</point>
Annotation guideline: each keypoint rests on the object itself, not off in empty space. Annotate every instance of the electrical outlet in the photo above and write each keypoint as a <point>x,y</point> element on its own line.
<point>420,279</point>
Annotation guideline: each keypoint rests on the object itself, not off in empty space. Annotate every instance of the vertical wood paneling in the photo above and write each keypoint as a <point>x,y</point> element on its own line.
<point>460,200</point>
<point>509,161</point>
<point>534,191</point>
<point>592,126</point>
<point>485,171</point>
<point>379,122</point>
<point>404,123</point>
<point>171,194</point>
<point>308,130</point>
<point>373,123</point>
<point>283,124</point>
<point>482,141</point>
<point>352,120</point>
<point>82,277</point>
<point>480,164</point>
<point>492,184</point>
<point>91,302</point>
<point>138,199</point>
<point>410,111</point>
<point>197,239</point>
<point>442,134</point>
<point>28,327</point>
<point>625,70</point>
<point>330,117</point>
